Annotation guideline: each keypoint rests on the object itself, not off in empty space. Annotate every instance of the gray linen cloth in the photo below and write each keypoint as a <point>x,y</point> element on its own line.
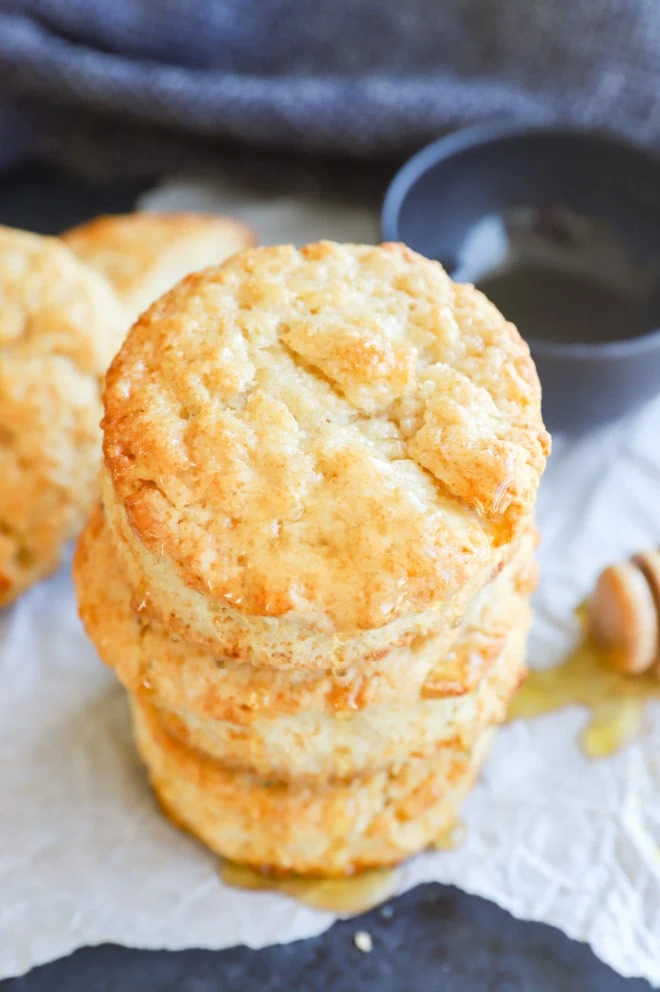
<point>358,77</point>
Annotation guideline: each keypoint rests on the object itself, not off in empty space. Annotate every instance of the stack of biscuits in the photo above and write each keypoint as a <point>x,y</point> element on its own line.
<point>313,557</point>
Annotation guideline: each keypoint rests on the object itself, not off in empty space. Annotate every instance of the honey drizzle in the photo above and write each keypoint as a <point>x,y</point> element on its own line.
<point>587,677</point>
<point>451,838</point>
<point>348,894</point>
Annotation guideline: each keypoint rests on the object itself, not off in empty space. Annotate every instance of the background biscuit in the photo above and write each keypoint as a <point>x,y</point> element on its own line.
<point>144,254</point>
<point>60,325</point>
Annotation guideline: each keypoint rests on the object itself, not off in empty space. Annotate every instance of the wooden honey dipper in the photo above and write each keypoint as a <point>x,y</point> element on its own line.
<point>624,613</point>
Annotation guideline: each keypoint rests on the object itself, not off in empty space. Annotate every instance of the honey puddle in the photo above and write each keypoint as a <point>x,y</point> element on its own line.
<point>350,894</point>
<point>587,678</point>
<point>450,838</point>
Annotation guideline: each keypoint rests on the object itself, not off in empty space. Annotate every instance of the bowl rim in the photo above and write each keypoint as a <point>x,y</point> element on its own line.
<point>475,135</point>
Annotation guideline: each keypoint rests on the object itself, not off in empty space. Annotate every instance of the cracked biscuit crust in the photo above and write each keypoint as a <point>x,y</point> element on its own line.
<point>60,325</point>
<point>339,434</point>
<point>144,254</point>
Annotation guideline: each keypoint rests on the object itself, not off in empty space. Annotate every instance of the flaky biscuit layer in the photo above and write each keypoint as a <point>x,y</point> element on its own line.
<point>290,723</point>
<point>320,747</point>
<point>294,641</point>
<point>331,830</point>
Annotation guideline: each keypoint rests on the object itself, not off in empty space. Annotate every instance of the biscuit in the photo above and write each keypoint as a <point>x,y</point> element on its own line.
<point>60,325</point>
<point>144,254</point>
<point>269,642</point>
<point>330,830</point>
<point>304,446</point>
<point>320,747</point>
<point>180,676</point>
<point>245,716</point>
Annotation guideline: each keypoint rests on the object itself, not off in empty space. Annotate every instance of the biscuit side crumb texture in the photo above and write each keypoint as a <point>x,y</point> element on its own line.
<point>365,822</point>
<point>339,432</point>
<point>60,325</point>
<point>258,730</point>
<point>179,675</point>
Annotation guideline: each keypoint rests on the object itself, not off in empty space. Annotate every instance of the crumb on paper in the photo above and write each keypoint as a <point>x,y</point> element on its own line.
<point>363,941</point>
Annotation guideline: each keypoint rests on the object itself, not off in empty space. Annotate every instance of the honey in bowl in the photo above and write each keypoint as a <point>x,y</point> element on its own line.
<point>561,276</point>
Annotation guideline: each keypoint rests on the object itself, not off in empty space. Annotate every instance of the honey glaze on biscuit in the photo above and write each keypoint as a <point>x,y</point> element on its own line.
<point>348,894</point>
<point>589,677</point>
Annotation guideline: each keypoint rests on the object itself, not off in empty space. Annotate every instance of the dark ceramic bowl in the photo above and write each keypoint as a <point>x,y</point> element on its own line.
<point>445,191</point>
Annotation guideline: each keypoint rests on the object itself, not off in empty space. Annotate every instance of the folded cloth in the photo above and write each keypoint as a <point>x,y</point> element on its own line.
<point>364,77</point>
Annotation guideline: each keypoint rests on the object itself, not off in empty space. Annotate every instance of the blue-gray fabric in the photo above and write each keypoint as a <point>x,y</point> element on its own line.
<point>363,77</point>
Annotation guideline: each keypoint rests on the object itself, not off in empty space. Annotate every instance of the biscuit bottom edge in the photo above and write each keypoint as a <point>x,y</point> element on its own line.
<point>325,830</point>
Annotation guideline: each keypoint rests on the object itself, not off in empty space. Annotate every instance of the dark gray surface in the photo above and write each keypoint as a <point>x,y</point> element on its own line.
<point>437,939</point>
<point>40,198</point>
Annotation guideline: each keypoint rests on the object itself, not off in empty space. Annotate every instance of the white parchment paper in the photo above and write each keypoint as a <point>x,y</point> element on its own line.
<point>86,858</point>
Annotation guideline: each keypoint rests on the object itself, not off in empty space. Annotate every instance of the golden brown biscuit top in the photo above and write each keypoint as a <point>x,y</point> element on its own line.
<point>53,308</point>
<point>144,254</point>
<point>338,432</point>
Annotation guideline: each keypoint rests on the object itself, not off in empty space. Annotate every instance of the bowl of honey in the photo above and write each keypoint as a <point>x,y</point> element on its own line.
<point>560,227</point>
